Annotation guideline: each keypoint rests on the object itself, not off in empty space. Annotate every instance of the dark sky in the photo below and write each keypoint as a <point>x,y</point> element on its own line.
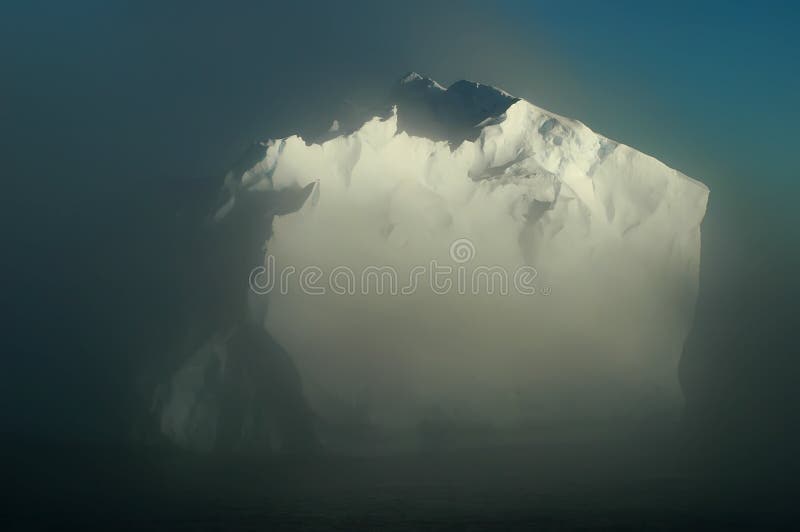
<point>114,113</point>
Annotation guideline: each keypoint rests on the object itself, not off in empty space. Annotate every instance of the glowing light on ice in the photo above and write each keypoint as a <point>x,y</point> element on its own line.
<point>612,233</point>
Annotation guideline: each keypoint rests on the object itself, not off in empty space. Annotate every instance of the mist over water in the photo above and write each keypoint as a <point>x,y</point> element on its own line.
<point>122,121</point>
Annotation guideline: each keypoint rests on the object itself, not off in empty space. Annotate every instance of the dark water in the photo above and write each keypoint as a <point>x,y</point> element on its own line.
<point>633,485</point>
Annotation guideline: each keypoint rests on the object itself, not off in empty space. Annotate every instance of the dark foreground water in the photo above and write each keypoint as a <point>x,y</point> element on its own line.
<point>543,487</point>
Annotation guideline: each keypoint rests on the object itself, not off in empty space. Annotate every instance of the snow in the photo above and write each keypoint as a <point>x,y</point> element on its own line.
<point>613,235</point>
<point>414,78</point>
<point>451,114</point>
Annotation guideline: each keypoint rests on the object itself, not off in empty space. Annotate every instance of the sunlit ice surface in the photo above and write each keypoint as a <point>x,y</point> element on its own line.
<point>513,272</point>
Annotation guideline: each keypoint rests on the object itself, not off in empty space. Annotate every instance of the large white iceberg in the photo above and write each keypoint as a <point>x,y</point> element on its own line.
<point>599,245</point>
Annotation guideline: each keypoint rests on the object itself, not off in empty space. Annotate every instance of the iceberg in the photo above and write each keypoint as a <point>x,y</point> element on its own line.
<point>469,259</point>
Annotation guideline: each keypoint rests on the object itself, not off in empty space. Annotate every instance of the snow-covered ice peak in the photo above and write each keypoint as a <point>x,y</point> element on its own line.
<point>412,78</point>
<point>454,114</point>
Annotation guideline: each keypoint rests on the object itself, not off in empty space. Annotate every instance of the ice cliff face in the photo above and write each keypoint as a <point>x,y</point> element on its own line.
<point>605,238</point>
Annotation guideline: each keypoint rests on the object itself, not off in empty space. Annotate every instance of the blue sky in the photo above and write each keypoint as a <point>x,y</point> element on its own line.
<point>673,77</point>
